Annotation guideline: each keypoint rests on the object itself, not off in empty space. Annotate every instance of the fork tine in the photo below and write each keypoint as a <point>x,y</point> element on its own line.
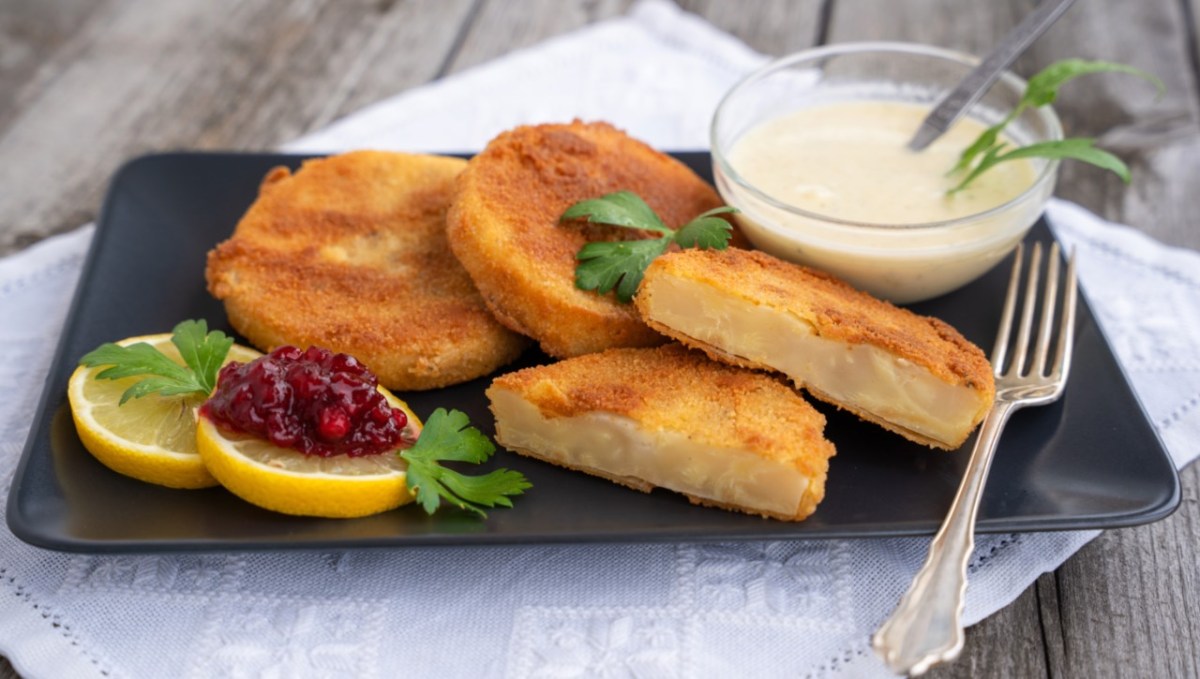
<point>1000,350</point>
<point>1049,301</point>
<point>1023,331</point>
<point>1066,332</point>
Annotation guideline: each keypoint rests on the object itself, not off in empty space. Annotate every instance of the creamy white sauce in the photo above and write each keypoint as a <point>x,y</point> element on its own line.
<point>849,161</point>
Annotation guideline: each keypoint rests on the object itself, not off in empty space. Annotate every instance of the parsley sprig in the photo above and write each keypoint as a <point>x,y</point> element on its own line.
<point>1042,90</point>
<point>447,436</point>
<point>203,353</point>
<point>604,266</point>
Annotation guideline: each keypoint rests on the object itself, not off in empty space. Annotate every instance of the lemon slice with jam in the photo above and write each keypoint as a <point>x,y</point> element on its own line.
<point>291,482</point>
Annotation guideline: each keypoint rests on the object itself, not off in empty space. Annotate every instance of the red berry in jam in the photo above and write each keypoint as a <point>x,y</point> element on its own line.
<point>334,425</point>
<point>313,401</point>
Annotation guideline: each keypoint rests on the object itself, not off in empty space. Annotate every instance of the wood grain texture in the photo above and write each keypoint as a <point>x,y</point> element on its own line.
<point>1130,601</point>
<point>1003,645</point>
<point>144,76</point>
<point>775,27</point>
<point>973,26</point>
<point>30,30</point>
<point>500,27</point>
<point>1050,623</point>
<point>85,85</point>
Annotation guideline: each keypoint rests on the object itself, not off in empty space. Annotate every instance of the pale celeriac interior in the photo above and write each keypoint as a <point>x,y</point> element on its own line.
<point>863,377</point>
<point>616,447</point>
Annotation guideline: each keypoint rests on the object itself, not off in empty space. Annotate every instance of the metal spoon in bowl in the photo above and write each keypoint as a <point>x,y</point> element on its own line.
<point>977,82</point>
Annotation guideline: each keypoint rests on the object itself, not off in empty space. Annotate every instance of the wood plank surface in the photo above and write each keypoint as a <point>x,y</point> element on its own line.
<point>142,76</point>
<point>86,85</point>
<point>775,27</point>
<point>499,27</point>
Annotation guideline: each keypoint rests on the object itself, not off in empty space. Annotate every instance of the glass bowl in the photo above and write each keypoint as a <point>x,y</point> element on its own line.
<point>902,262</point>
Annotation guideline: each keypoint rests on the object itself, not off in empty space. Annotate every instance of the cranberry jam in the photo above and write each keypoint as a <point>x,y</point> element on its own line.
<point>314,401</point>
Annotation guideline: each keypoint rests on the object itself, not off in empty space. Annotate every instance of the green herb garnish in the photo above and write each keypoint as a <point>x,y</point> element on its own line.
<point>202,351</point>
<point>1042,90</point>
<point>447,436</point>
<point>604,266</point>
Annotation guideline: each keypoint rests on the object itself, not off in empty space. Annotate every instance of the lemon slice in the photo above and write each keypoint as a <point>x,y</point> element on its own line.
<point>288,481</point>
<point>152,438</point>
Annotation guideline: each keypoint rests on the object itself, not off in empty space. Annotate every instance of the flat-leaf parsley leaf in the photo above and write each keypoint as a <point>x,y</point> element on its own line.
<point>623,208</point>
<point>448,436</point>
<point>202,351</point>
<point>605,266</point>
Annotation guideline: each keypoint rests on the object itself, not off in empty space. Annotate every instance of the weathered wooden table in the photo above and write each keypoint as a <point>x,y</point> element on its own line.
<point>86,84</point>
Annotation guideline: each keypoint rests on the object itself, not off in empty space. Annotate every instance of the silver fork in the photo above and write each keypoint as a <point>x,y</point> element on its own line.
<point>926,627</point>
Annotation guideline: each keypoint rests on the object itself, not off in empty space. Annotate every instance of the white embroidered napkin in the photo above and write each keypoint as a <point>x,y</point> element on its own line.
<point>764,609</point>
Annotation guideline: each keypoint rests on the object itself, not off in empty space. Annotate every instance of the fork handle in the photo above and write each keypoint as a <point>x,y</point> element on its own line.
<point>926,627</point>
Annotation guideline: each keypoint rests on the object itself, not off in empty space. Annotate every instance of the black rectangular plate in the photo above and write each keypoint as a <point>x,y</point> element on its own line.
<point>1091,460</point>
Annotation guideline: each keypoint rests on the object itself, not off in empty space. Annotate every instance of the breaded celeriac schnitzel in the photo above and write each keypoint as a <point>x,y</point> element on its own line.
<point>350,253</point>
<point>504,227</point>
<point>914,375</point>
<point>669,417</point>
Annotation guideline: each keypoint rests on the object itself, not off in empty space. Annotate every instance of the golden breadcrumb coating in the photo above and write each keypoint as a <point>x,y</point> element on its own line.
<point>672,389</point>
<point>350,253</point>
<point>504,227</point>
<point>836,311</point>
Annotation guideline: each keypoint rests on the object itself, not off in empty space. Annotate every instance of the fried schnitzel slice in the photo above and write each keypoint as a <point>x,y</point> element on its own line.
<point>504,227</point>
<point>644,417</point>
<point>914,375</point>
<point>350,253</point>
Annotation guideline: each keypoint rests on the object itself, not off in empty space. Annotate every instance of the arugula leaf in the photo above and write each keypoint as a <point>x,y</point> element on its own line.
<point>203,351</point>
<point>448,436</point>
<point>986,140</point>
<point>1075,149</point>
<point>1042,90</point>
<point>604,266</point>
